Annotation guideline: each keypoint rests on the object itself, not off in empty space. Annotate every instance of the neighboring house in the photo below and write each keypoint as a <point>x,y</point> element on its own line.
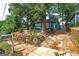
<point>51,22</point>
<point>75,19</point>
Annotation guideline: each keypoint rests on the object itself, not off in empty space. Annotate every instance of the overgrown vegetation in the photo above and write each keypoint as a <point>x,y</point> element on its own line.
<point>29,14</point>
<point>31,38</point>
<point>6,49</point>
<point>34,13</point>
<point>5,46</point>
<point>11,24</point>
<point>36,38</point>
<point>57,54</point>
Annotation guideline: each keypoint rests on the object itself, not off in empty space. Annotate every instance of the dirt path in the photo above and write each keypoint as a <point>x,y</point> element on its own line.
<point>61,43</point>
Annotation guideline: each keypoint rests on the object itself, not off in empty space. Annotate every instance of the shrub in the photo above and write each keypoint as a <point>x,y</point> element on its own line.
<point>6,28</point>
<point>6,49</point>
<point>32,38</point>
<point>59,54</point>
<point>36,38</point>
<point>9,26</point>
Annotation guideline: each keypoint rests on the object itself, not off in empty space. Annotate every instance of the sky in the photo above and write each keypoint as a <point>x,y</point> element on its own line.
<point>2,6</point>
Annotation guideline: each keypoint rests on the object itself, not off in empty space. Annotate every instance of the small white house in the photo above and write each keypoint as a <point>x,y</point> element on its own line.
<point>75,20</point>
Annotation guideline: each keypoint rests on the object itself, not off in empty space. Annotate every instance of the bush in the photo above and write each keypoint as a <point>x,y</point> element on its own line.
<point>10,26</point>
<point>57,54</point>
<point>6,28</point>
<point>6,49</point>
<point>32,38</point>
<point>36,38</point>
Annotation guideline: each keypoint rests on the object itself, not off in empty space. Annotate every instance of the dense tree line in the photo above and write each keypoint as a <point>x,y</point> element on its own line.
<point>35,12</point>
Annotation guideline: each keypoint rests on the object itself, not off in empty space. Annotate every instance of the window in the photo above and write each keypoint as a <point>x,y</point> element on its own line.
<point>37,25</point>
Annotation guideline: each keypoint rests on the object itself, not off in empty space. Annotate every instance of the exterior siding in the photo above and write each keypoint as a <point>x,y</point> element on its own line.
<point>75,20</point>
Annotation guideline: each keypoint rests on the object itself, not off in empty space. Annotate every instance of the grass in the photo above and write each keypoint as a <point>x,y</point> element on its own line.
<point>4,46</point>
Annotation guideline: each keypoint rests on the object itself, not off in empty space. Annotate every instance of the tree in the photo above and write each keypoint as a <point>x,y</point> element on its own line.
<point>7,25</point>
<point>33,12</point>
<point>67,10</point>
<point>13,22</point>
<point>38,14</point>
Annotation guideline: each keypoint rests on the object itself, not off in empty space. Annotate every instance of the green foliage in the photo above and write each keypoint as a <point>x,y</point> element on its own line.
<point>11,24</point>
<point>7,27</point>
<point>36,38</point>
<point>57,54</point>
<point>1,23</point>
<point>6,47</point>
<point>67,10</point>
<point>35,12</point>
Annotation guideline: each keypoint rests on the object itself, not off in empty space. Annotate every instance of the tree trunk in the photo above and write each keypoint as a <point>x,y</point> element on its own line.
<point>43,26</point>
<point>27,24</point>
<point>12,44</point>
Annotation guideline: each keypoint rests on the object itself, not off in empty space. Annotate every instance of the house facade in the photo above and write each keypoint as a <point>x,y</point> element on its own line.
<point>51,23</point>
<point>75,20</point>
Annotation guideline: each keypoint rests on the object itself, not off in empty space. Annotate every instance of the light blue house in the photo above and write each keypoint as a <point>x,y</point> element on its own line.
<point>51,22</point>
